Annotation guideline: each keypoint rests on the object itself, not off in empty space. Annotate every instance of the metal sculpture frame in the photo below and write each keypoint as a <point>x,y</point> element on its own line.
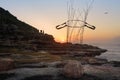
<point>74,22</point>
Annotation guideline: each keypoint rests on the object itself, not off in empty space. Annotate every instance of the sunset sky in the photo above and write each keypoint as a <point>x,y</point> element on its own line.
<point>46,14</point>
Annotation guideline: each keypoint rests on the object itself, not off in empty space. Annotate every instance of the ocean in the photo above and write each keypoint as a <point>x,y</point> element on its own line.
<point>113,47</point>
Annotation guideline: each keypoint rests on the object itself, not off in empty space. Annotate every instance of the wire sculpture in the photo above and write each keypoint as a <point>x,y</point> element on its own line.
<point>75,25</point>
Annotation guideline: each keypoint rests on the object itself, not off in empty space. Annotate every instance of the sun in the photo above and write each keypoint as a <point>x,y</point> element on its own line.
<point>63,41</point>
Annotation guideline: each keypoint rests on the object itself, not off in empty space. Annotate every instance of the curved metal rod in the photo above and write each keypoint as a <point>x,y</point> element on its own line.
<point>90,26</point>
<point>61,26</point>
<point>65,25</point>
<point>58,27</point>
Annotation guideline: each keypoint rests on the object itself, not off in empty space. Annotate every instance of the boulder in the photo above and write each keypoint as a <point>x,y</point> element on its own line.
<point>6,64</point>
<point>73,69</point>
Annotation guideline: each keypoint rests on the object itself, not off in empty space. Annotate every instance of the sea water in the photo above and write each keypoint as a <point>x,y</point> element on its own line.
<point>113,47</point>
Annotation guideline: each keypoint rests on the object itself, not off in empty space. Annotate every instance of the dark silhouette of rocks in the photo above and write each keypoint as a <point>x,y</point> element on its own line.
<point>35,47</point>
<point>6,64</point>
<point>16,33</point>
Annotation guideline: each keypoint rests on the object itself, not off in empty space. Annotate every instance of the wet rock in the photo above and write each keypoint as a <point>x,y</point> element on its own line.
<point>4,76</point>
<point>23,73</point>
<point>73,69</point>
<point>6,64</point>
<point>103,72</point>
<point>54,71</point>
<point>57,64</point>
<point>60,77</point>
<point>33,65</point>
<point>94,61</point>
<point>5,54</point>
<point>39,77</point>
<point>115,63</point>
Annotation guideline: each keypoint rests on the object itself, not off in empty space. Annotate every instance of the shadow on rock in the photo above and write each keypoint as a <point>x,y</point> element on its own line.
<point>61,77</point>
<point>5,76</point>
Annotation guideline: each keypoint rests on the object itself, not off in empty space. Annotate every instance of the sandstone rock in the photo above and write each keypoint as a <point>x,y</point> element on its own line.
<point>4,54</point>
<point>97,61</point>
<point>73,69</point>
<point>6,64</point>
<point>103,72</point>
<point>57,64</point>
<point>115,63</point>
<point>93,61</point>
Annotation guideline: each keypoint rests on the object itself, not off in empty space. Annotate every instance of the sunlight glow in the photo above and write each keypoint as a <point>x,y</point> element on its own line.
<point>46,14</point>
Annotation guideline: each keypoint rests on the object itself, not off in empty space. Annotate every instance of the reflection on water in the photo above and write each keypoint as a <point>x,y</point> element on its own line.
<point>113,53</point>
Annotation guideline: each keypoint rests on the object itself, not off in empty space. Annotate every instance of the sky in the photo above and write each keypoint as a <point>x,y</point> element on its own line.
<point>47,14</point>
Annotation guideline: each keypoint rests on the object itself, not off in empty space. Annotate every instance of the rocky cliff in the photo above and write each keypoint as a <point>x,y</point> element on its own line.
<point>17,34</point>
<point>14,31</point>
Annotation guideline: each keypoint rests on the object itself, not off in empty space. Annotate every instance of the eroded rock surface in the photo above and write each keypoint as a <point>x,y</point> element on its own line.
<point>6,64</point>
<point>73,69</point>
<point>51,72</point>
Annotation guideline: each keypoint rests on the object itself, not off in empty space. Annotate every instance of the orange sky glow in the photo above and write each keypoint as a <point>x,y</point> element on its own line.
<point>47,14</point>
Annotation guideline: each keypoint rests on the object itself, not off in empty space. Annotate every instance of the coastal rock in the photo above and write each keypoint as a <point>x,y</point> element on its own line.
<point>6,64</point>
<point>51,72</point>
<point>93,61</point>
<point>103,72</point>
<point>73,69</point>
<point>115,63</point>
<point>57,64</point>
<point>4,54</point>
<point>23,73</point>
<point>18,34</point>
<point>96,61</point>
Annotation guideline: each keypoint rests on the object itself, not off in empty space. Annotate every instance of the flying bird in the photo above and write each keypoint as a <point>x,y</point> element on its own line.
<point>105,12</point>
